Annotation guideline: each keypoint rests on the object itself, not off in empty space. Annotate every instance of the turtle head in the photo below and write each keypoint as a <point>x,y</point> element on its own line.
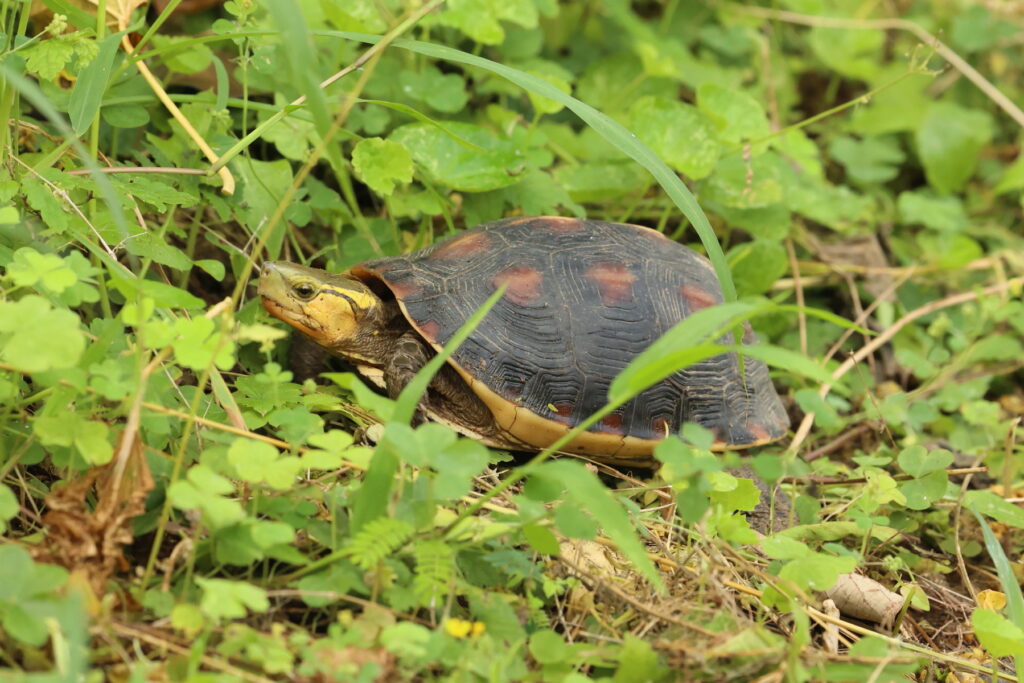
<point>336,311</point>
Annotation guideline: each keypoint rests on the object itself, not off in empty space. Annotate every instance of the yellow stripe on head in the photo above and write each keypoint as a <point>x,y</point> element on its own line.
<point>329,308</point>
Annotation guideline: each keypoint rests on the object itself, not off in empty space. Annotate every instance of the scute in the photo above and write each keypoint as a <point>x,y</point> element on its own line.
<point>583,299</point>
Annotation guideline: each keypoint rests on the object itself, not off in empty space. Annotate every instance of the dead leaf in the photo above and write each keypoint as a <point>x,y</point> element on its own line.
<point>90,540</point>
<point>863,598</point>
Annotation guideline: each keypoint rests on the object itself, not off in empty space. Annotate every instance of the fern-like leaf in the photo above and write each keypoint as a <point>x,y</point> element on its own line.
<point>376,540</point>
<point>435,562</point>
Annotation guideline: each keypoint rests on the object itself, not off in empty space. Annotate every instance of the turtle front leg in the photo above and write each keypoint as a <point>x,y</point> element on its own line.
<point>447,395</point>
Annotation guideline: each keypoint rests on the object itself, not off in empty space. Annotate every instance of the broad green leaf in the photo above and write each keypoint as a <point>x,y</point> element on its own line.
<point>450,163</point>
<point>47,58</point>
<point>874,159</point>
<point>8,506</point>
<point>547,647</point>
<point>817,571</point>
<point>945,214</point>
<point>541,539</point>
<point>921,492</point>
<point>737,116</point>
<point>853,53</point>
<point>381,164</point>
<point>917,461</point>
<point>36,337</point>
<point>638,661</point>
<point>598,181</point>
<point>587,491</point>
<point>997,634</point>
<point>52,272</point>
<point>91,85</point>
<point>228,599</point>
<point>747,184</point>
<point>682,135</point>
<point>481,19</point>
<point>948,144</point>
<point>260,463</point>
<point>991,505</point>
<point>757,265</point>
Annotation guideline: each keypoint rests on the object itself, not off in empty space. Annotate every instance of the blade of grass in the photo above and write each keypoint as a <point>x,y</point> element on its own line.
<point>1007,579</point>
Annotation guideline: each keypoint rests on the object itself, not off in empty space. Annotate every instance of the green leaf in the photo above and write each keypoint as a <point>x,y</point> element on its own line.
<point>867,161</point>
<point>35,337</point>
<point>450,163</point>
<point>587,491</point>
<point>198,342</point>
<point>91,85</point>
<point>997,634</point>
<point>917,461</point>
<point>9,507</point>
<point>757,265</point>
<point>991,505</point>
<point>47,58</point>
<point>637,662</point>
<point>948,143</point>
<point>683,136</point>
<point>738,116</point>
<point>856,54</point>
<point>481,19</point>
<point>541,539</point>
<point>598,181</point>
<point>733,493</point>
<point>260,463</point>
<point>547,647</point>
<point>924,490</point>
<point>206,490</point>
<point>382,163</point>
<point>945,214</point>
<point>226,599</point>
<point>29,268</point>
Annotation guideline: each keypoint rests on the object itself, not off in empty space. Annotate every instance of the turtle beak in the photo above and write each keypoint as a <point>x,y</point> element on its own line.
<point>273,290</point>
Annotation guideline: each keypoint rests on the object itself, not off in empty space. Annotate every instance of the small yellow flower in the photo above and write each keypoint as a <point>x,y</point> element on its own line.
<point>460,628</point>
<point>990,599</point>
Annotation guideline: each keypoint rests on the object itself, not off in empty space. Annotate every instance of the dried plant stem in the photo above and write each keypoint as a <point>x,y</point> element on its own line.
<point>161,641</point>
<point>886,336</point>
<point>227,179</point>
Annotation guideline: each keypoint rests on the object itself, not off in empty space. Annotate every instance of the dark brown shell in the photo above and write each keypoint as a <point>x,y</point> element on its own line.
<point>584,298</point>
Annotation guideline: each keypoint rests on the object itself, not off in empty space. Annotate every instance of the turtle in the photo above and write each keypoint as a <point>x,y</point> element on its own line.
<point>582,299</point>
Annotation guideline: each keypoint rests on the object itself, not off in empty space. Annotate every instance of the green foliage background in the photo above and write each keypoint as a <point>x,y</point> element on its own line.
<point>840,162</point>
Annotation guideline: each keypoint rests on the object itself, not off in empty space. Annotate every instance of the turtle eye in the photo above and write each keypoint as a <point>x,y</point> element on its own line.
<point>304,290</point>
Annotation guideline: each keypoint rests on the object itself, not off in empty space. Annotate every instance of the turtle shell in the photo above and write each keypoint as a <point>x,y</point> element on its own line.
<point>583,299</point>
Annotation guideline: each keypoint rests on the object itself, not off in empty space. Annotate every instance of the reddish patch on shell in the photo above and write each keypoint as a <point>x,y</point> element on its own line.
<point>560,224</point>
<point>758,432</point>
<point>614,281</point>
<point>611,423</point>
<point>563,411</point>
<point>661,427</point>
<point>430,330</point>
<point>523,283</point>
<point>697,298</point>
<point>464,247</point>
<point>403,288</point>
